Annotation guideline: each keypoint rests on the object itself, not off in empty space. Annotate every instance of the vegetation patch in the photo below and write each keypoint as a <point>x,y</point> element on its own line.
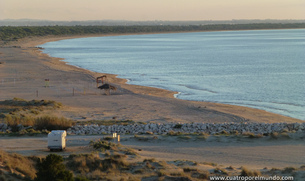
<point>18,102</point>
<point>178,126</point>
<point>107,122</point>
<point>52,123</point>
<point>22,167</point>
<point>145,137</point>
<point>113,165</point>
<point>52,168</point>
<point>246,172</point>
<point>18,123</point>
<point>18,113</point>
<point>103,145</point>
<point>11,33</point>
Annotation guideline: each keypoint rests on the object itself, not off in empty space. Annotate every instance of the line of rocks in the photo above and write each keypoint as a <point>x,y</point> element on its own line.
<point>188,128</point>
<point>4,127</point>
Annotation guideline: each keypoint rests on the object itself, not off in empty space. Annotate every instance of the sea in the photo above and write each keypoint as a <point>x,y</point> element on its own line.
<point>263,69</point>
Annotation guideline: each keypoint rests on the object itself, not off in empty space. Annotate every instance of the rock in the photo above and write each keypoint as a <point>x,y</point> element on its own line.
<point>20,127</point>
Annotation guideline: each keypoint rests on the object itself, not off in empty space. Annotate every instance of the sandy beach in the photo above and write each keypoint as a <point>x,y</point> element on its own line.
<point>25,68</point>
<point>23,71</point>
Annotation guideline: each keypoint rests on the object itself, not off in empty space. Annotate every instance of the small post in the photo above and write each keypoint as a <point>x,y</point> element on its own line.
<point>46,81</point>
<point>119,138</point>
<point>84,91</point>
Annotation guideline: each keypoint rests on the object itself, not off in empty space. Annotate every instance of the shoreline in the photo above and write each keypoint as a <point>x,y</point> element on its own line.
<point>35,44</point>
<point>216,111</point>
<point>176,94</point>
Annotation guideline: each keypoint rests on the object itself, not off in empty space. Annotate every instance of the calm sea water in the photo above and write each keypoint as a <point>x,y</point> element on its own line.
<point>263,69</point>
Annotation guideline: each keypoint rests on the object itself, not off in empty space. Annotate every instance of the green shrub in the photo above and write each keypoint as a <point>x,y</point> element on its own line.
<point>204,175</point>
<point>79,178</point>
<point>187,169</point>
<point>108,138</point>
<point>178,126</point>
<point>51,168</point>
<point>289,170</point>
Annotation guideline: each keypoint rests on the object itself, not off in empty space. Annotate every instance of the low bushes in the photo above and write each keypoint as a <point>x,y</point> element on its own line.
<point>246,172</point>
<point>39,123</point>
<point>33,103</point>
<point>52,168</point>
<point>21,166</point>
<point>52,123</point>
<point>18,113</point>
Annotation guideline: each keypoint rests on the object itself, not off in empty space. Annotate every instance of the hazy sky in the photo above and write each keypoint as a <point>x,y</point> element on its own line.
<point>152,9</point>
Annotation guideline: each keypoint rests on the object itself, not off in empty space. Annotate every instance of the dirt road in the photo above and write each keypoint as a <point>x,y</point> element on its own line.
<point>222,150</point>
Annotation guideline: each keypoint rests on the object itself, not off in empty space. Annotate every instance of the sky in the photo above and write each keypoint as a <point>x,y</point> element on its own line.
<point>149,10</point>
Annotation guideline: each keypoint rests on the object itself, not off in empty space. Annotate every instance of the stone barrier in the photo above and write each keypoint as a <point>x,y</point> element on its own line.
<point>188,128</point>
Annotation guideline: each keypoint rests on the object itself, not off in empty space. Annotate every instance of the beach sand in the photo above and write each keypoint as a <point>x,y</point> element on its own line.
<point>25,68</point>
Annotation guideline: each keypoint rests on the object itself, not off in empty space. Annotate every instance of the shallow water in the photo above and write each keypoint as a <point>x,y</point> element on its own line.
<point>263,69</point>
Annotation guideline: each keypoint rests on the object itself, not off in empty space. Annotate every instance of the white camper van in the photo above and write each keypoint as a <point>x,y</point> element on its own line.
<point>57,140</point>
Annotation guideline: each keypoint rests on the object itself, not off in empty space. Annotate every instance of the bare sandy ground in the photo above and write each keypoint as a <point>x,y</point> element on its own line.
<point>223,151</point>
<point>25,68</point>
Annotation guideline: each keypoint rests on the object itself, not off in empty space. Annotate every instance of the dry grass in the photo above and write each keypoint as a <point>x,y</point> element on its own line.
<point>18,112</point>
<point>52,123</point>
<point>289,170</point>
<point>252,135</point>
<point>107,122</point>
<point>94,167</point>
<point>173,133</point>
<point>39,123</point>
<point>18,165</point>
<point>29,104</point>
<point>117,166</point>
<point>145,137</point>
<point>220,171</point>
<point>18,106</point>
<point>246,172</point>
<point>103,145</point>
